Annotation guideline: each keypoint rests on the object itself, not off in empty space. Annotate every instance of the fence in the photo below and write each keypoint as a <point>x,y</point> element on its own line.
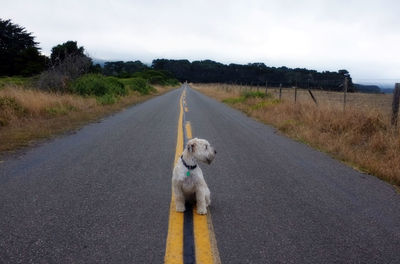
<point>387,103</point>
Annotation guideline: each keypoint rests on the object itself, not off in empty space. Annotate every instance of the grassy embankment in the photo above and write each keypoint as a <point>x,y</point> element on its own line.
<point>361,136</point>
<point>28,114</point>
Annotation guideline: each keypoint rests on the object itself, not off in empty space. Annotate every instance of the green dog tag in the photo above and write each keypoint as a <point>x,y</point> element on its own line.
<point>188,173</point>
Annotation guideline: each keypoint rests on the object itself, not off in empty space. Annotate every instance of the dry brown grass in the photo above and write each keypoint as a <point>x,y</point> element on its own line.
<point>360,136</point>
<point>27,115</point>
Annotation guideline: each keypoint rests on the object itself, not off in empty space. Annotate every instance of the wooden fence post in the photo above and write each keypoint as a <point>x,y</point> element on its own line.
<point>266,88</point>
<point>295,94</point>
<point>346,82</point>
<point>312,96</point>
<point>395,104</point>
<point>280,91</point>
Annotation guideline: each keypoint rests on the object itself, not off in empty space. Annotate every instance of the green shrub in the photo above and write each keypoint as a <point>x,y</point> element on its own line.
<point>116,87</point>
<point>157,77</point>
<point>172,82</point>
<point>138,84</point>
<point>124,75</point>
<point>98,85</point>
<point>107,99</point>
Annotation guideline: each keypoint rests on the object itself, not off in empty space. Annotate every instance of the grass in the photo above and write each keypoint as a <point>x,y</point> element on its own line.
<point>15,81</point>
<point>360,136</point>
<point>27,115</point>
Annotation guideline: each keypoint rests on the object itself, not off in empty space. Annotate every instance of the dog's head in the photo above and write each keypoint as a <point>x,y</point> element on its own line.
<point>201,150</point>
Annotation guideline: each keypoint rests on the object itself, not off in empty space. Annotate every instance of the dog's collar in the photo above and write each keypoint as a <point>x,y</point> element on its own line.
<point>189,167</point>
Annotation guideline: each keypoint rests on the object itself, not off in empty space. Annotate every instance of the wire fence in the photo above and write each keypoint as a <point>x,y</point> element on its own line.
<point>385,103</point>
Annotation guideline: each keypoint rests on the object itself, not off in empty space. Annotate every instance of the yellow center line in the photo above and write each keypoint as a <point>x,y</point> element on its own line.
<point>188,129</point>
<point>204,237</point>
<point>174,247</point>
<point>206,250</point>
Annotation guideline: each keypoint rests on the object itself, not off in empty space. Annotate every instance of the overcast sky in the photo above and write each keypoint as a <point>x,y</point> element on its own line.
<point>360,36</point>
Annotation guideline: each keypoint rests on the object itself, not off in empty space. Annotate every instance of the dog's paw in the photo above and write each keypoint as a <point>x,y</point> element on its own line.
<point>202,211</point>
<point>180,208</point>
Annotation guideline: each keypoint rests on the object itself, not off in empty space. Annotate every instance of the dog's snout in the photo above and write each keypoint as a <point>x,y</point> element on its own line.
<point>215,152</point>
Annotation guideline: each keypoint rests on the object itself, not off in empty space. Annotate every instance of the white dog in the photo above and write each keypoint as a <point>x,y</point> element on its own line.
<point>187,178</point>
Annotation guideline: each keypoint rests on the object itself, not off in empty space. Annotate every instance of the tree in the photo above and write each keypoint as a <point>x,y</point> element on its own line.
<point>253,74</point>
<point>123,69</point>
<point>67,49</point>
<point>19,54</point>
<point>181,69</point>
<point>68,62</point>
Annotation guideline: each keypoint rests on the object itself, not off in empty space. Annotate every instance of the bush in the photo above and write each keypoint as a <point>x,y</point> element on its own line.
<point>59,77</point>
<point>139,84</point>
<point>98,85</point>
<point>107,99</point>
<point>53,81</point>
<point>157,77</point>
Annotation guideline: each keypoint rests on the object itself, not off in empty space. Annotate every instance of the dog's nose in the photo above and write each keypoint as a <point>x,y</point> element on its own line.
<point>215,152</point>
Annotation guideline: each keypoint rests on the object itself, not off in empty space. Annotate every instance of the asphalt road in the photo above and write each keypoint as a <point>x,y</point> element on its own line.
<point>102,195</point>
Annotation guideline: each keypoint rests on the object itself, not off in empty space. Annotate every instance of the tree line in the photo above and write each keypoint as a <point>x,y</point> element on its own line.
<point>20,55</point>
<point>208,71</point>
<point>69,70</point>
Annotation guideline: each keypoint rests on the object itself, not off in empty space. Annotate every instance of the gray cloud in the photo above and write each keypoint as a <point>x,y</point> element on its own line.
<point>361,36</point>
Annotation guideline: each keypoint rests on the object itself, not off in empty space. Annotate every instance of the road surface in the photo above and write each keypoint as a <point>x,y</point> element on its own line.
<point>102,194</point>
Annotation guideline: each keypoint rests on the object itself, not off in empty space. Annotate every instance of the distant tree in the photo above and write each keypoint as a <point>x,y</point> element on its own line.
<point>123,69</point>
<point>96,68</point>
<point>19,54</point>
<point>181,69</point>
<point>68,62</point>
<point>253,74</point>
<point>345,73</point>
<point>64,50</point>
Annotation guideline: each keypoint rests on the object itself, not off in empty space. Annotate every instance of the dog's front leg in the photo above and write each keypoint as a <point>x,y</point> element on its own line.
<point>179,198</point>
<point>201,200</point>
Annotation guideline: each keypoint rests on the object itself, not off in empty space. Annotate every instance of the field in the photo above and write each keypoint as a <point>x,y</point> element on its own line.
<point>381,102</point>
<point>27,114</point>
<point>359,135</point>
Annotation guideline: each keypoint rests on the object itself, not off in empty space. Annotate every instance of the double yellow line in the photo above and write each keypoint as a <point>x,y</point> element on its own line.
<point>205,244</point>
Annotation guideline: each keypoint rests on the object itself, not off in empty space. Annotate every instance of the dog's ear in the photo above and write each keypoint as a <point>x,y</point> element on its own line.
<point>191,147</point>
